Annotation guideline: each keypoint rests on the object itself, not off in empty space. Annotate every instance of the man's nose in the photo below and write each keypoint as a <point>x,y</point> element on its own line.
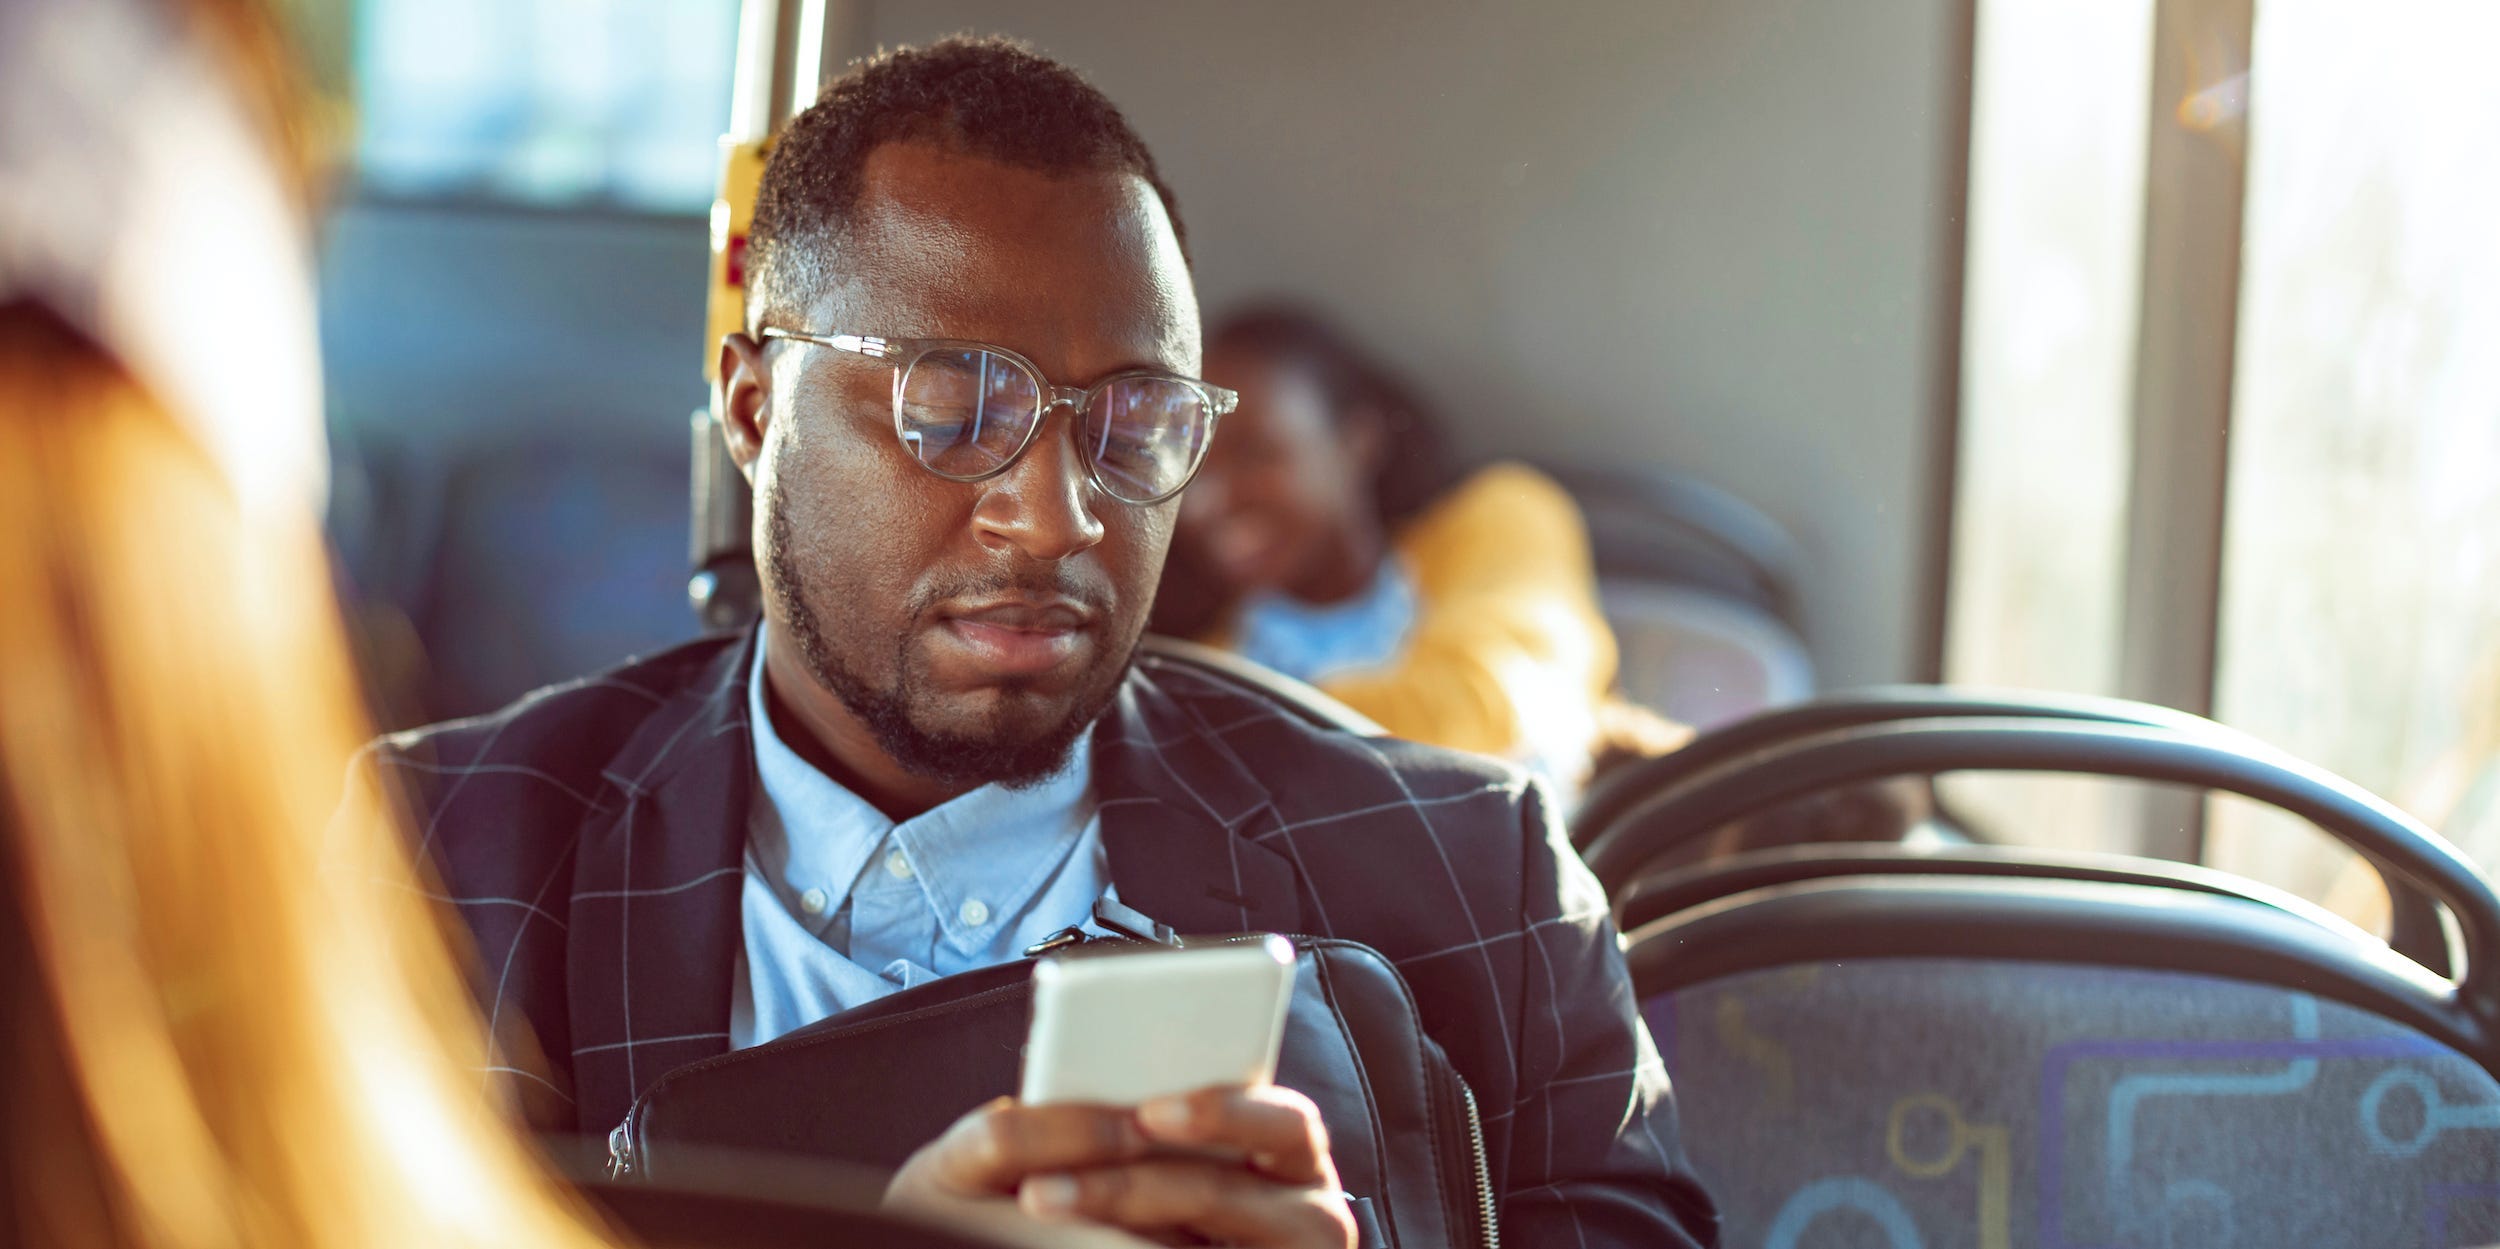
<point>1044,505</point>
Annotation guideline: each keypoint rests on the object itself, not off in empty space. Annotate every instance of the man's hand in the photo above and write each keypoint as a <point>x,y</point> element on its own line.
<point>1229,1165</point>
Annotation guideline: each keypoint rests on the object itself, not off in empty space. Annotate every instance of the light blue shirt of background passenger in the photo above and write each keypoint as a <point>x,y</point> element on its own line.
<point>1320,642</point>
<point>843,906</point>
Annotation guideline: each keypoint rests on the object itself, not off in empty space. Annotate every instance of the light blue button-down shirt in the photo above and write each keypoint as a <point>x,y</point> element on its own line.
<point>843,906</point>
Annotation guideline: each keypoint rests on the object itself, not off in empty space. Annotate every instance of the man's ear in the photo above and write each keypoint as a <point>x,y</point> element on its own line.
<point>745,399</point>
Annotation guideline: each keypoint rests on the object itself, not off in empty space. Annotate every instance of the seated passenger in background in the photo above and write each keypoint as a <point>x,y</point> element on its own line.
<point>1327,538</point>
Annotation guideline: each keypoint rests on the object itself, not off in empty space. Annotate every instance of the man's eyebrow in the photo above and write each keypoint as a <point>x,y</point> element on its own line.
<point>1131,364</point>
<point>1145,366</point>
<point>909,329</point>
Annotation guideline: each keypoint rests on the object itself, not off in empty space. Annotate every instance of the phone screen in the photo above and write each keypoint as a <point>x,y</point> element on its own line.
<point>1125,1028</point>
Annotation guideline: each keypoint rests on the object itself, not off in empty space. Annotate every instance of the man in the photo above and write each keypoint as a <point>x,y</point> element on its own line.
<point>936,749</point>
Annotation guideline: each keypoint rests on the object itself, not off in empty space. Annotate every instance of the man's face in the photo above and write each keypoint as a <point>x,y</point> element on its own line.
<point>973,629</point>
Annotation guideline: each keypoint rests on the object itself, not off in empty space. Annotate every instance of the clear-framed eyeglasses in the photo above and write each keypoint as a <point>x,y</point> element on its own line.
<point>966,411</point>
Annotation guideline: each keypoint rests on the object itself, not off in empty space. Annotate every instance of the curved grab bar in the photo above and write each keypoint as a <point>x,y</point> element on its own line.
<point>1622,790</point>
<point>2352,815</point>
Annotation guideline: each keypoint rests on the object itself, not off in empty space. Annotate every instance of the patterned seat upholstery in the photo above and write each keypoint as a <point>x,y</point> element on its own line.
<point>1978,1104</point>
<point>2061,1053</point>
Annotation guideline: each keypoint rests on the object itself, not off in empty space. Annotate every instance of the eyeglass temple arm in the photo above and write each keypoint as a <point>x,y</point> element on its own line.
<point>858,345</point>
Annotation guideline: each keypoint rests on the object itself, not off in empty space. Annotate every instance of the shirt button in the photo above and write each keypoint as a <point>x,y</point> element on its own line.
<point>898,866</point>
<point>975,913</point>
<point>814,900</point>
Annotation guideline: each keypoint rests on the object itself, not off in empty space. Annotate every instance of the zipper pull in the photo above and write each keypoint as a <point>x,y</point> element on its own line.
<point>1128,921</point>
<point>621,1150</point>
<point>1117,920</point>
<point>1071,935</point>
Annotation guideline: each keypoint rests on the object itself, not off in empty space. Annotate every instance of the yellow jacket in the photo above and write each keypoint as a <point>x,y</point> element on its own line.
<point>1508,654</point>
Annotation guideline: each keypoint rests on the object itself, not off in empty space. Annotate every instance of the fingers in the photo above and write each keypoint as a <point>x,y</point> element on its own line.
<point>990,1149</point>
<point>1212,1200</point>
<point>1277,1129</point>
<point>1176,1165</point>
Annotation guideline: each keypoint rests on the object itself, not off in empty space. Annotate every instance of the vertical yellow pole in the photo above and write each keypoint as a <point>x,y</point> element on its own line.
<point>741,171</point>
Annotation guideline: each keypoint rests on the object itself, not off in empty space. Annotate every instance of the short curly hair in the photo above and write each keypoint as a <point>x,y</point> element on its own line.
<point>993,98</point>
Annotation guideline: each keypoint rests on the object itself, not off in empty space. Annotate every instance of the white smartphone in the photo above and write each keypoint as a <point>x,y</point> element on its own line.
<point>1121,1029</point>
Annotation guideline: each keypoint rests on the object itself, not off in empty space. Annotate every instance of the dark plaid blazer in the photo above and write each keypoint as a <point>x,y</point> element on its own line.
<point>592,835</point>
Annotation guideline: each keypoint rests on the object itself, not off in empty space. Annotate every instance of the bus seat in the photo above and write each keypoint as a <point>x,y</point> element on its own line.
<point>1997,1047</point>
<point>1924,1061</point>
<point>2417,866</point>
<point>553,560</point>
<point>1699,588</point>
<point>1663,526</point>
<point>1653,897</point>
<point>1698,658</point>
<point>1619,791</point>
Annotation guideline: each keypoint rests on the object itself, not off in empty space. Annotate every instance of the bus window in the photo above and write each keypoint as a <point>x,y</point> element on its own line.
<point>2333,492</point>
<point>2361,575</point>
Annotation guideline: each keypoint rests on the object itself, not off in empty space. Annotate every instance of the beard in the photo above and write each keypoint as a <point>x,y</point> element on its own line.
<point>1003,752</point>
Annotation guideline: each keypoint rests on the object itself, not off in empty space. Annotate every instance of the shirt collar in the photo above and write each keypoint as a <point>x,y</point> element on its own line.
<point>819,834</point>
<point>994,845</point>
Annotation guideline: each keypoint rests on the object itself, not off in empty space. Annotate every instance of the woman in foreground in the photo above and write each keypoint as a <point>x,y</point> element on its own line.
<point>232,1020</point>
<point>233,1017</point>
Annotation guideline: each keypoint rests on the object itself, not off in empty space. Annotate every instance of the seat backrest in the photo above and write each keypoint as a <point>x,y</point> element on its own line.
<point>552,561</point>
<point>1621,791</point>
<point>1912,1061</point>
<point>1700,658</point>
<point>1662,526</point>
<point>2418,868</point>
<point>1944,1103</point>
<point>1654,897</point>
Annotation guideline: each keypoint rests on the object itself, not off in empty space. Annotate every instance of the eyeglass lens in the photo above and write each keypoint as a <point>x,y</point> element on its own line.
<point>965,412</point>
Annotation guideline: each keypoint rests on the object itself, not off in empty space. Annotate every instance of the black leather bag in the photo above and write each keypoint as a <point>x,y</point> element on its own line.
<point>871,1085</point>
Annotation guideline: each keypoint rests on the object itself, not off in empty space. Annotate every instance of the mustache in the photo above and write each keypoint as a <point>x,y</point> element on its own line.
<point>1094,592</point>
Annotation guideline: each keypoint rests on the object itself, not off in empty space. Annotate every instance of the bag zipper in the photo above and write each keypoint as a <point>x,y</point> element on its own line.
<point>1485,1203</point>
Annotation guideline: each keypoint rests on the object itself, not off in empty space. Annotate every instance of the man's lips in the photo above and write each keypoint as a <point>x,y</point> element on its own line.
<point>1016,637</point>
<point>1043,615</point>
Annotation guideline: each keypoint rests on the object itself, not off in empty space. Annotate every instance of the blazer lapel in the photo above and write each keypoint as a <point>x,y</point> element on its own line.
<point>1178,810</point>
<point>655,927</point>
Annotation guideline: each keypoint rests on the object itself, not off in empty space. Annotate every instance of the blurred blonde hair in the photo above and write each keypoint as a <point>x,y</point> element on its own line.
<point>233,1019</point>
